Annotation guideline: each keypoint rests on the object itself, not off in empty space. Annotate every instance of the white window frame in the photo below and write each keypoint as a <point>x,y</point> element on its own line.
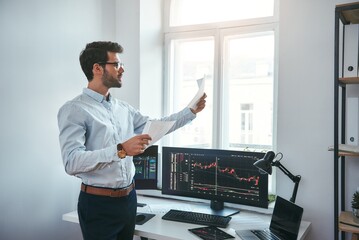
<point>219,31</point>
<point>249,30</point>
<point>168,85</point>
<point>228,24</point>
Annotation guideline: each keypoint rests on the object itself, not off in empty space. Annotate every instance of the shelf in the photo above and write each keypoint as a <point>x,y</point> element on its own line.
<point>352,16</point>
<point>349,80</point>
<point>348,154</point>
<point>347,224</point>
<point>346,150</point>
<point>350,13</point>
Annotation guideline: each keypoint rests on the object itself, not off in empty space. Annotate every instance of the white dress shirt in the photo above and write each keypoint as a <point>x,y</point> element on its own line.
<point>90,129</point>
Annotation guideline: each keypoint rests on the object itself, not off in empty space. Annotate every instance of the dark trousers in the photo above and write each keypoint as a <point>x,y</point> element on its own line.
<point>107,218</point>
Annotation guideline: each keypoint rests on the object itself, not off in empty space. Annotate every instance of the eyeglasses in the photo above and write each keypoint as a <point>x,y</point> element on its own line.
<point>117,65</point>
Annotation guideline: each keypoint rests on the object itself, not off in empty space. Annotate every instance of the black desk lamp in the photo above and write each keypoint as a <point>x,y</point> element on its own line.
<point>265,167</point>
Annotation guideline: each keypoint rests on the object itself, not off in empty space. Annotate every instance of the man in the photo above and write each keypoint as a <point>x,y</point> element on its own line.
<point>98,137</point>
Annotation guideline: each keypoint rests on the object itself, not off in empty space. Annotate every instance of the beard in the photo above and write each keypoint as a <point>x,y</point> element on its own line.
<point>110,81</point>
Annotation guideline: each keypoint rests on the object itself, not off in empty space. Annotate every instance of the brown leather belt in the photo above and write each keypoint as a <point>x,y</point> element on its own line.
<point>109,192</point>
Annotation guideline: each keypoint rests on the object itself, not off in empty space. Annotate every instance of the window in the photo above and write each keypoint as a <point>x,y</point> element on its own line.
<point>248,75</point>
<point>186,68</point>
<point>190,12</point>
<point>235,53</point>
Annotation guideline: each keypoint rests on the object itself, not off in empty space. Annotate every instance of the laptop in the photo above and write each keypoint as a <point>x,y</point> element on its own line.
<point>284,224</point>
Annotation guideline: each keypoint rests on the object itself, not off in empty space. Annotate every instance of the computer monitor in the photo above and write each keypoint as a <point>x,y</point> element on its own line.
<point>146,168</point>
<point>213,174</point>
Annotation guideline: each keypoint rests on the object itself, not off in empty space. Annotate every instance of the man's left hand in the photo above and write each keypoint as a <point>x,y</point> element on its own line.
<point>200,105</point>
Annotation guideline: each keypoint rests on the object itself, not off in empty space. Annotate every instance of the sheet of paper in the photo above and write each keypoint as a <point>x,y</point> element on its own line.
<point>157,129</point>
<point>199,93</point>
<point>164,208</point>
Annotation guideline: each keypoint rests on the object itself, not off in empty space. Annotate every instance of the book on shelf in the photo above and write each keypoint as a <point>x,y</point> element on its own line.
<point>346,148</point>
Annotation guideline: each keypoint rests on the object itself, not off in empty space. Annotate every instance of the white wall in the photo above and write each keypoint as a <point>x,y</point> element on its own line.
<point>139,31</point>
<point>305,111</point>
<point>151,73</point>
<point>128,35</point>
<point>40,44</point>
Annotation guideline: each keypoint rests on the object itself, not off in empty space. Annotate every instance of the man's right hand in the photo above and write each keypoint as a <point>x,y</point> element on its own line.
<point>137,144</point>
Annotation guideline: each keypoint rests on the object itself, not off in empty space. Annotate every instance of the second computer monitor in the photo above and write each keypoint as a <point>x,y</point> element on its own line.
<point>146,165</point>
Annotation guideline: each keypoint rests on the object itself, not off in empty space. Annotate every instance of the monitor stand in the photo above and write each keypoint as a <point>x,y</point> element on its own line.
<point>217,208</point>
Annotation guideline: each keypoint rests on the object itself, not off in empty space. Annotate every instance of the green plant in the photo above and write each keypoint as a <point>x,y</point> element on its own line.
<point>355,200</point>
<point>271,198</point>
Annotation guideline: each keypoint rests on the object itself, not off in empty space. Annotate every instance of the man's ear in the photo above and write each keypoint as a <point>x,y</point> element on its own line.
<point>97,69</point>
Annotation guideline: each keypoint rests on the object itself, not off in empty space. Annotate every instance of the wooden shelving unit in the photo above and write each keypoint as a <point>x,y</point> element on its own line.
<point>344,14</point>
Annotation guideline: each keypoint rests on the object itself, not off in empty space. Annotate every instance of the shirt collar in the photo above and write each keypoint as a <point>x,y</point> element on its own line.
<point>95,95</point>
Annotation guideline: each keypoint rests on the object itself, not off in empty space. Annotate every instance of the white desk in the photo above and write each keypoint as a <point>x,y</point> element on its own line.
<point>156,228</point>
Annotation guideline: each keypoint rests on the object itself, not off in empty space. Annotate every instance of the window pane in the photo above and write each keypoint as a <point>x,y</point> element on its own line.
<point>191,12</point>
<point>248,75</point>
<point>192,59</point>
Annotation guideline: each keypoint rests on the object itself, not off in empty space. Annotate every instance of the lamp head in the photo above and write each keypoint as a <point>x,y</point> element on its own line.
<point>265,164</point>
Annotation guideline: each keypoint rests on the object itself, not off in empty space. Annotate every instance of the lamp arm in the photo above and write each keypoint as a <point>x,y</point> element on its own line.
<point>295,179</point>
<point>295,189</point>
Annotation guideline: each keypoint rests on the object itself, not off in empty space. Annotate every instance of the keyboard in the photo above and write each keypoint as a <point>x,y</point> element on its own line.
<point>197,218</point>
<point>265,235</point>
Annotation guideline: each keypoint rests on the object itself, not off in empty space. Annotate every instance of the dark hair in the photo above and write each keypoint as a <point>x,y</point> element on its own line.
<point>96,52</point>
